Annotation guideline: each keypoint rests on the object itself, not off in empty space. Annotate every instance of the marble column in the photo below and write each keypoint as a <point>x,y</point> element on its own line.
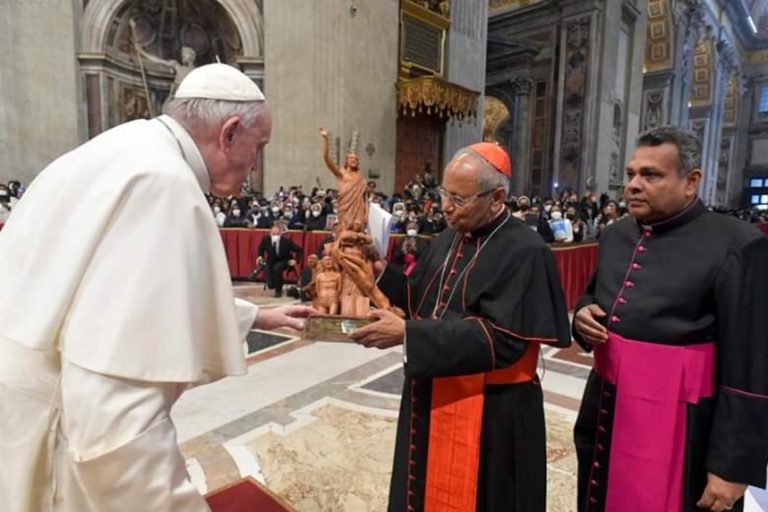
<point>689,21</point>
<point>726,64</point>
<point>520,120</point>
<point>465,63</point>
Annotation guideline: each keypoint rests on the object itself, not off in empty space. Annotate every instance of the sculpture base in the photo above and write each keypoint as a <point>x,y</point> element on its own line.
<point>332,327</point>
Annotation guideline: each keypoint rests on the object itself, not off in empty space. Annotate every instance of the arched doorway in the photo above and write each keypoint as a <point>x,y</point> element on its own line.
<point>116,88</point>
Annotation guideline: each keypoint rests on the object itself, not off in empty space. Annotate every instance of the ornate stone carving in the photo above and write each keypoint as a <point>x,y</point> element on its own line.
<point>134,104</point>
<point>616,132</point>
<point>723,168</point>
<point>432,95</point>
<point>659,36</point>
<point>574,92</point>
<point>653,109</point>
<point>522,86</point>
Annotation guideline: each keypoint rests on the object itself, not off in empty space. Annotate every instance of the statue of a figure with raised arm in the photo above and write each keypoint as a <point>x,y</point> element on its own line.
<point>180,69</point>
<point>353,189</point>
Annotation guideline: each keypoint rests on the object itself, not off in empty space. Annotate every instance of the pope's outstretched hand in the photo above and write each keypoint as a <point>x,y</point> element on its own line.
<point>282,316</point>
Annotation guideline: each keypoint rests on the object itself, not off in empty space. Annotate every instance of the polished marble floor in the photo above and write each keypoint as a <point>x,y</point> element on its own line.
<point>316,421</point>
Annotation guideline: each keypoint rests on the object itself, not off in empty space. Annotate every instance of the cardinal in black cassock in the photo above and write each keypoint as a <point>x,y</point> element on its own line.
<point>675,414</point>
<point>471,433</point>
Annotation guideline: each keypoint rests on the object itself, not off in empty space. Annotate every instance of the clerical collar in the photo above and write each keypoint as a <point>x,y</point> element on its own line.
<point>189,150</point>
<point>488,228</point>
<point>681,218</point>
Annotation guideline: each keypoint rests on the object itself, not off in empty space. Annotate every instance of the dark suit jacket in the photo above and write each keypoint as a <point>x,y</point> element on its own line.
<point>287,250</point>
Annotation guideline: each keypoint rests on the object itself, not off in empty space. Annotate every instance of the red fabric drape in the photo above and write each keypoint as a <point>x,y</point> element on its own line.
<point>763,228</point>
<point>575,262</point>
<point>242,247</point>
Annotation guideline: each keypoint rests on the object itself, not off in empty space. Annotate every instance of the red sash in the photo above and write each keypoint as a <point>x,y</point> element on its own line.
<point>454,434</point>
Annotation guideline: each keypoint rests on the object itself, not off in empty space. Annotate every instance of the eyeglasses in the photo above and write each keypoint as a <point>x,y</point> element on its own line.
<point>459,201</point>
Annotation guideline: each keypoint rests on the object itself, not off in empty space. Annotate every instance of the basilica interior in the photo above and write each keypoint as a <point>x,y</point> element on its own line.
<point>565,86</point>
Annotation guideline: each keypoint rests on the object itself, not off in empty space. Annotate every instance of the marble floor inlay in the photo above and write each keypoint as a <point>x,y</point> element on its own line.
<point>316,421</point>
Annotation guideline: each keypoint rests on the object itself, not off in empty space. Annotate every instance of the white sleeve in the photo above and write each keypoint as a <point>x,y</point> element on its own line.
<point>247,313</point>
<point>121,443</point>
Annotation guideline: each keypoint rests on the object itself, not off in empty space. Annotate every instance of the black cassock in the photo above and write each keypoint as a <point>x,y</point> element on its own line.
<point>695,281</point>
<point>472,315</point>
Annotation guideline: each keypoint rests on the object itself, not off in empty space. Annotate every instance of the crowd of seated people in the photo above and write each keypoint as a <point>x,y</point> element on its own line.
<point>567,218</point>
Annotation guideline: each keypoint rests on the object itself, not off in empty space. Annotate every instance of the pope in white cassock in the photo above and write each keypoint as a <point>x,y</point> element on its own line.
<point>116,296</point>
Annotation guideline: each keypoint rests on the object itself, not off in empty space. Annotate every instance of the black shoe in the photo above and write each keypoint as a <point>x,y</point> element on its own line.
<point>278,294</point>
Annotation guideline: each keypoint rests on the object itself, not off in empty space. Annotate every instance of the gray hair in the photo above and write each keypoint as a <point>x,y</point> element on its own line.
<point>489,177</point>
<point>687,143</point>
<point>201,114</point>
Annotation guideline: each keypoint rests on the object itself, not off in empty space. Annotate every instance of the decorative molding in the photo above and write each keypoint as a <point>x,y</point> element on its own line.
<point>659,36</point>
<point>574,99</point>
<point>653,109</point>
<point>432,95</point>
<point>439,7</point>
<point>521,86</point>
<point>703,74</point>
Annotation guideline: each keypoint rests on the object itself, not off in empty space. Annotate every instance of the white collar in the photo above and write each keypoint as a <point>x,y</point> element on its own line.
<point>188,150</point>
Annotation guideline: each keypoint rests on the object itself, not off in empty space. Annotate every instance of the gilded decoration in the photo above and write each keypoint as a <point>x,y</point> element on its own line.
<point>431,95</point>
<point>701,88</point>
<point>495,116</point>
<point>758,57</point>
<point>658,49</point>
<point>441,7</point>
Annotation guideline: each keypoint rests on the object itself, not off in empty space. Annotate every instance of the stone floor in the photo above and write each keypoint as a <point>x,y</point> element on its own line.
<point>316,421</point>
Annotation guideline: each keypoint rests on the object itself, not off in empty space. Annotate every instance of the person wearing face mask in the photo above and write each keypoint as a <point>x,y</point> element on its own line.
<point>579,227</point>
<point>562,229</point>
<point>219,215</point>
<point>5,204</point>
<point>235,219</point>
<point>532,217</point>
<point>277,253</point>
<point>317,219</point>
<point>398,218</point>
<point>294,220</point>
<point>409,251</point>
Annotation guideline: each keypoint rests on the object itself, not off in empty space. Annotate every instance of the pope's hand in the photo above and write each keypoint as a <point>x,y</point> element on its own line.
<point>282,316</point>
<point>386,332</point>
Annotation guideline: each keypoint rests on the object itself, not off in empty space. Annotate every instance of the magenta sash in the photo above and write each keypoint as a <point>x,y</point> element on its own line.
<point>654,383</point>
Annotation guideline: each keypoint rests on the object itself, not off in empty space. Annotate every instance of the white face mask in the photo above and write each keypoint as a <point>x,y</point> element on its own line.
<point>557,215</point>
<point>236,213</point>
<point>216,209</point>
<point>412,232</point>
<point>275,209</point>
<point>622,204</point>
<point>287,215</point>
<point>547,207</point>
<point>275,238</point>
<point>315,213</point>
